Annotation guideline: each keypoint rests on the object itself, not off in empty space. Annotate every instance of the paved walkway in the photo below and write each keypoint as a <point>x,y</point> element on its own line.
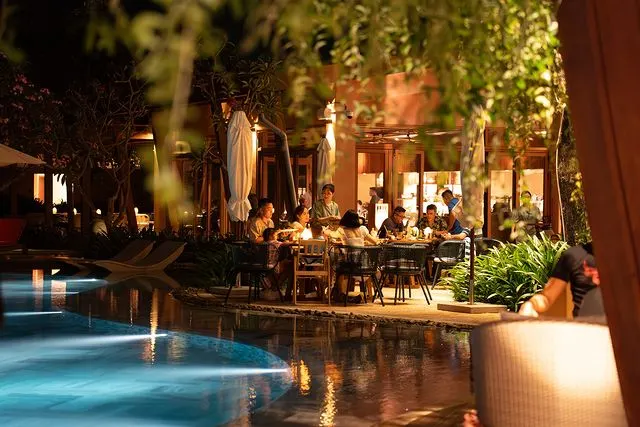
<point>414,309</point>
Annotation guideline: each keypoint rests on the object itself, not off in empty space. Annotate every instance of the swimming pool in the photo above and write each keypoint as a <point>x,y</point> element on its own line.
<point>340,372</point>
<point>67,369</point>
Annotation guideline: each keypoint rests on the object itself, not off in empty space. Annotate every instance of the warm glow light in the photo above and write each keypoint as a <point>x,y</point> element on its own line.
<point>75,211</point>
<point>305,379</point>
<point>147,136</point>
<point>306,234</point>
<point>98,212</point>
<point>54,210</point>
<point>135,210</point>
<point>37,277</point>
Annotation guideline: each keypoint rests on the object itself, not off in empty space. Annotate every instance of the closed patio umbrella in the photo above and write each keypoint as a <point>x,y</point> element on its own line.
<point>324,168</point>
<point>10,156</point>
<point>240,165</point>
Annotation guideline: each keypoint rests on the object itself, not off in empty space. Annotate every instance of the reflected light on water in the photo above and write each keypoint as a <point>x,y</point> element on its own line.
<point>58,293</point>
<point>305,379</point>
<point>30,313</point>
<point>133,305</point>
<point>149,352</point>
<point>328,413</point>
<point>177,348</point>
<point>37,277</point>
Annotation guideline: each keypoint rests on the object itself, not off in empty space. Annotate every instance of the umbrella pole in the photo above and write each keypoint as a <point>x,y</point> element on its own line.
<point>472,256</point>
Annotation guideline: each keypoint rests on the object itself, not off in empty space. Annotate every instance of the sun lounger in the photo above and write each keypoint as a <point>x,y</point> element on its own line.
<point>134,251</point>
<point>157,260</point>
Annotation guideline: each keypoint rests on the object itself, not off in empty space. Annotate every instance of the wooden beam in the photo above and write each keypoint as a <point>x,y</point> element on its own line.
<point>601,41</point>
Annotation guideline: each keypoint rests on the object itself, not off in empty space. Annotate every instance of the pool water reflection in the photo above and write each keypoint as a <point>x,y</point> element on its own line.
<point>66,369</point>
<point>343,372</point>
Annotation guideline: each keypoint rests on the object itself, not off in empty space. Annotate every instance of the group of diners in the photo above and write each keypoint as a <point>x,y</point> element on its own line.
<point>323,212</point>
<point>324,220</point>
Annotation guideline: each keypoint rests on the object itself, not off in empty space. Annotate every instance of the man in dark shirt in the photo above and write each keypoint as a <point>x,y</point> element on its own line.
<point>576,266</point>
<point>393,224</point>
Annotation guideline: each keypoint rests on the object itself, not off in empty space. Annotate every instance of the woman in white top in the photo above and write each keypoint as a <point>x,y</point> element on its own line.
<point>300,219</point>
<point>352,231</point>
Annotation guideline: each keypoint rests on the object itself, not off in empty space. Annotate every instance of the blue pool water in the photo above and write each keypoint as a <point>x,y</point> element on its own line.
<point>59,368</point>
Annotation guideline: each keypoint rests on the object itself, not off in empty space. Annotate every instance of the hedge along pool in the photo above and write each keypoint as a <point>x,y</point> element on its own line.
<point>66,369</point>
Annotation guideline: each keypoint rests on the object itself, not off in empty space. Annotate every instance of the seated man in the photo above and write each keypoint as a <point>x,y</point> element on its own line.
<point>393,224</point>
<point>432,220</point>
<point>261,221</point>
<point>577,267</point>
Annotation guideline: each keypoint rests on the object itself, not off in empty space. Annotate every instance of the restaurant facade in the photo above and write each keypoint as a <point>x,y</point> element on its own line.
<point>390,158</point>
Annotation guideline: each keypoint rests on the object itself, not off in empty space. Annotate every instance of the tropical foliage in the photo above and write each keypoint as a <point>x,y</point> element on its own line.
<point>574,210</point>
<point>507,275</point>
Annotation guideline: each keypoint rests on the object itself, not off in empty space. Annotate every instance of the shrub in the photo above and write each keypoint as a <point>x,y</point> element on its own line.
<point>214,262</point>
<point>509,274</point>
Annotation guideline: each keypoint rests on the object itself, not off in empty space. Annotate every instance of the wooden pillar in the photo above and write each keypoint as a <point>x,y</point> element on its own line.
<point>600,45</point>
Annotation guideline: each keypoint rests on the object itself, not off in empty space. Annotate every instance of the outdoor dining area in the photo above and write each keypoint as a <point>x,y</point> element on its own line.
<point>328,271</point>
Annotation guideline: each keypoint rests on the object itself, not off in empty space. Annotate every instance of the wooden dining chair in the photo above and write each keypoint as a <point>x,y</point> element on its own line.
<point>311,261</point>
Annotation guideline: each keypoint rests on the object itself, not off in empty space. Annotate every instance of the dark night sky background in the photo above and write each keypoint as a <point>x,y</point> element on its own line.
<point>52,35</point>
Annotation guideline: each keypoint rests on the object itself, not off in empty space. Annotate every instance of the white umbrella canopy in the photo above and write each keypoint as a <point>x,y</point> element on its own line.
<point>10,156</point>
<point>324,168</point>
<point>239,164</point>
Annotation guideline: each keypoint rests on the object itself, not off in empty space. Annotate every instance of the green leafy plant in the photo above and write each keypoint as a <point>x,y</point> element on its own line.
<point>214,262</point>
<point>509,274</point>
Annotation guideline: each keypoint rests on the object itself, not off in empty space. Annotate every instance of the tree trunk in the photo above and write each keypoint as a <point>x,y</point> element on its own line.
<point>108,219</point>
<point>86,203</point>
<point>128,205</point>
<point>574,210</point>
<point>70,206</point>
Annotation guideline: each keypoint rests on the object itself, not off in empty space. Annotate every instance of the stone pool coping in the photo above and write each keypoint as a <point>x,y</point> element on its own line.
<point>199,298</point>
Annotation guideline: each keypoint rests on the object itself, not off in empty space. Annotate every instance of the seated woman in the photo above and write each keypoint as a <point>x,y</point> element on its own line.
<point>352,230</point>
<point>300,220</point>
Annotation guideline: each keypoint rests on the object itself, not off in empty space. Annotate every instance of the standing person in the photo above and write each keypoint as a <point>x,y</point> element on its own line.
<point>528,213</point>
<point>394,224</point>
<point>261,221</point>
<point>326,209</point>
<point>371,208</point>
<point>577,267</point>
<point>455,228</point>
